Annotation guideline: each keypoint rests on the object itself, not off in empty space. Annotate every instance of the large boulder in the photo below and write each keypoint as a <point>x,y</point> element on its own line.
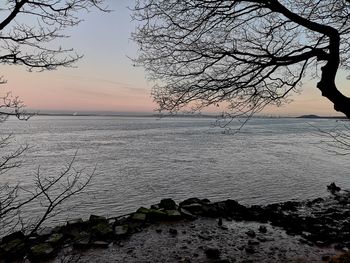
<point>121,230</point>
<point>194,200</point>
<point>41,251</point>
<point>13,246</point>
<point>13,236</point>
<point>167,204</point>
<point>95,220</point>
<point>102,230</point>
<point>55,238</point>
<point>139,217</point>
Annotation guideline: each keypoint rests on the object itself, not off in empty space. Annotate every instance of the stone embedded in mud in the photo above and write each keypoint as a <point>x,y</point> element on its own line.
<point>100,244</point>
<point>251,233</point>
<point>173,231</point>
<point>262,229</point>
<point>121,230</point>
<point>212,253</point>
<point>253,242</point>
<point>250,249</point>
<point>41,251</point>
<point>82,243</point>
<point>168,204</point>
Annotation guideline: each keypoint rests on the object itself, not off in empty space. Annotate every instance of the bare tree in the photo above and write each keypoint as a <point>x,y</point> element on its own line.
<point>28,31</point>
<point>29,28</point>
<point>243,54</point>
<point>47,192</point>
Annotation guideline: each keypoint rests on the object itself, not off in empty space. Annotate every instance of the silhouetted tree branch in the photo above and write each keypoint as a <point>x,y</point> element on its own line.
<point>337,139</point>
<point>49,192</point>
<point>244,54</point>
<point>28,29</point>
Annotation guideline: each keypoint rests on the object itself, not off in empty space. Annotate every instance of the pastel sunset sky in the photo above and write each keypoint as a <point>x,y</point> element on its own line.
<point>106,80</point>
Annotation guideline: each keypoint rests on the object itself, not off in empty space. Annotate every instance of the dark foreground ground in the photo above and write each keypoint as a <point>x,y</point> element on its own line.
<point>197,230</point>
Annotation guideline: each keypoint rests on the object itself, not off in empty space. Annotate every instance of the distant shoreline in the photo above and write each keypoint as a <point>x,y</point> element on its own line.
<point>178,115</point>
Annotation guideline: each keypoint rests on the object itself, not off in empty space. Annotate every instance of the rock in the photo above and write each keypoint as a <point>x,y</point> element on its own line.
<point>55,238</point>
<point>102,230</point>
<point>95,219</point>
<point>315,201</point>
<point>77,221</point>
<point>157,215</point>
<point>173,214</point>
<point>212,253</point>
<point>41,251</point>
<point>262,229</point>
<point>173,231</point>
<point>143,210</point>
<point>234,207</point>
<point>253,242</point>
<point>251,233</point>
<point>223,227</point>
<point>16,235</point>
<point>156,207</point>
<point>100,244</point>
<point>190,201</point>
<point>83,243</point>
<point>326,258</point>
<point>15,246</point>
<point>339,246</point>
<point>168,204</point>
<point>220,222</point>
<point>205,201</point>
<point>121,230</point>
<point>45,231</point>
<point>138,217</point>
<point>250,250</point>
<point>187,214</point>
<point>205,237</point>
<point>261,239</point>
<point>195,208</point>
<point>290,205</point>
<point>333,188</point>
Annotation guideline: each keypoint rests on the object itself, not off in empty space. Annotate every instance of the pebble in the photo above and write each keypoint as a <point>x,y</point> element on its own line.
<point>212,253</point>
<point>251,233</point>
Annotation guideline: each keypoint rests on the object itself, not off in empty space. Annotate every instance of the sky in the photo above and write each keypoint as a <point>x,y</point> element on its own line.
<point>106,80</point>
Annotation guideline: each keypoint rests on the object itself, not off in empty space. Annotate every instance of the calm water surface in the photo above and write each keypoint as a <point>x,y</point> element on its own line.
<point>143,159</point>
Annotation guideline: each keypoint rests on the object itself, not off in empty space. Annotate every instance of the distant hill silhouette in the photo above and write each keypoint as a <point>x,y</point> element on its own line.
<point>312,116</point>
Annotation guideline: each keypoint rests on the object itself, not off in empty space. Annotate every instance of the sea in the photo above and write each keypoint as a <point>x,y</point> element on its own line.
<point>137,161</point>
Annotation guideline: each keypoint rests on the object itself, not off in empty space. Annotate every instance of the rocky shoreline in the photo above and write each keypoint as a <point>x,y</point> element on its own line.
<point>322,223</point>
